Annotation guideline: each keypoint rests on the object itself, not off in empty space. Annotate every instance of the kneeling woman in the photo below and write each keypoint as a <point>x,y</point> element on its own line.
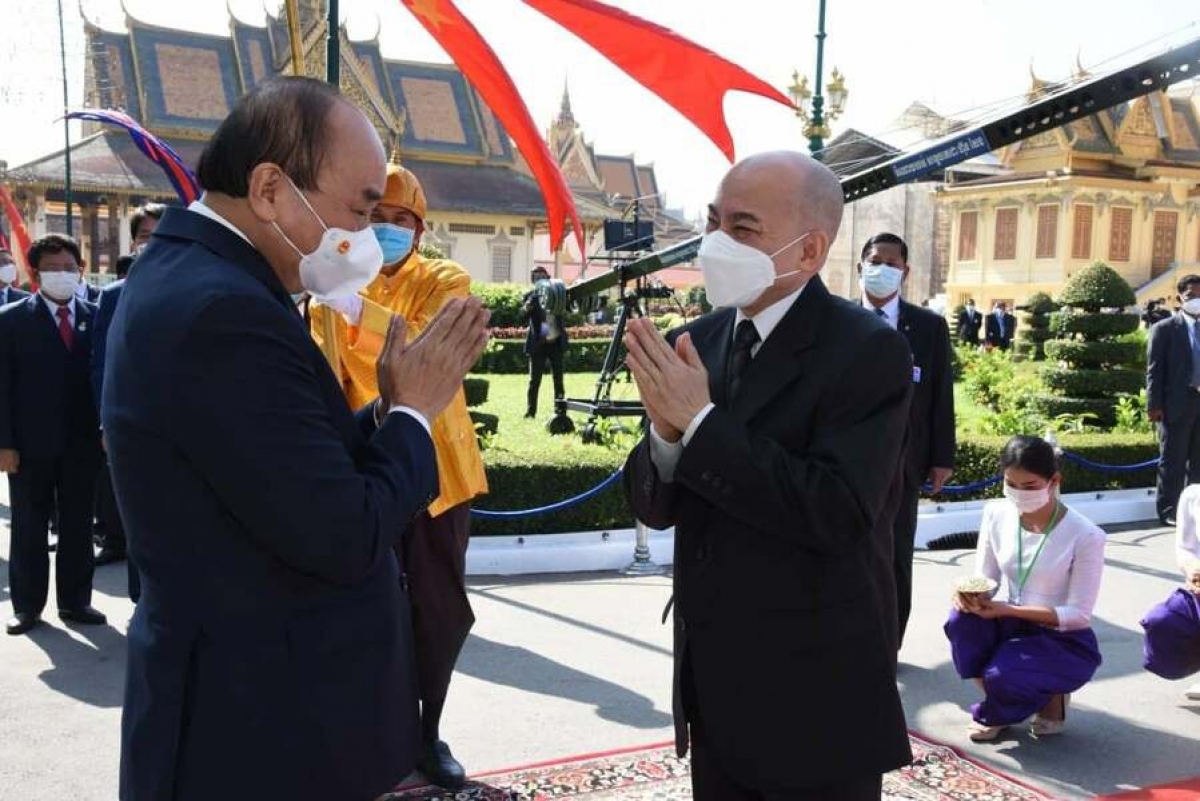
<point>1172,647</point>
<point>1029,652</point>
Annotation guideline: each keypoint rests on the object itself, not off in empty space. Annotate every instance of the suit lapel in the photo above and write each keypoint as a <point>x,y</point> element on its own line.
<point>43,322</point>
<point>713,338</point>
<point>778,360</point>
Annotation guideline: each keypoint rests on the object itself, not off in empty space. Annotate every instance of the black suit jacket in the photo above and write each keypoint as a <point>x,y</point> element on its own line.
<point>968,325</point>
<point>46,404</point>
<point>1169,366</point>
<point>104,315</point>
<point>782,503</point>
<point>270,655</point>
<point>11,295</point>
<point>537,316</point>
<point>992,333</point>
<point>931,437</point>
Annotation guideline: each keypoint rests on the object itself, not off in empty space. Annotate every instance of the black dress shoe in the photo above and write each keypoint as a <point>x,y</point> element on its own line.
<point>21,622</point>
<point>441,768</point>
<point>1167,520</point>
<point>108,556</point>
<point>85,616</point>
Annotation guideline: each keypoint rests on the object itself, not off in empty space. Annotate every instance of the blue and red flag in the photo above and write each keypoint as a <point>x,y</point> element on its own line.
<point>158,151</point>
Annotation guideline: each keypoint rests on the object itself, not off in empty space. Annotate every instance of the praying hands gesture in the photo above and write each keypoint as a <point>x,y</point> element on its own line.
<point>673,383</point>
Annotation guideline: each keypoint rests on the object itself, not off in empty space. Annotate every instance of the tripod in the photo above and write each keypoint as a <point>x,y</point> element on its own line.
<point>601,404</point>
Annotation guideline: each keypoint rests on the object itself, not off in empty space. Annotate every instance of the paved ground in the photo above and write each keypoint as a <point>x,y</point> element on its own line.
<point>565,665</point>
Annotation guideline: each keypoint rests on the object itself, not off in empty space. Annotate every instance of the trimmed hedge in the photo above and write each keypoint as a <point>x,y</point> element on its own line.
<point>1051,406</point>
<point>475,390</point>
<point>567,468</point>
<point>1066,323</point>
<point>978,458</point>
<point>1097,287</point>
<point>1087,383</point>
<point>506,303</point>
<point>508,356</point>
<point>1093,354</point>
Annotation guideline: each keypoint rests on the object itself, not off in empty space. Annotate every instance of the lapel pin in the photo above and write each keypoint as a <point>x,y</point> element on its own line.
<point>83,325</point>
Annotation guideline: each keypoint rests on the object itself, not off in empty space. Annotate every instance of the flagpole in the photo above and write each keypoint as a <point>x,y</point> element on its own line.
<point>333,49</point>
<point>293,22</point>
<point>62,49</point>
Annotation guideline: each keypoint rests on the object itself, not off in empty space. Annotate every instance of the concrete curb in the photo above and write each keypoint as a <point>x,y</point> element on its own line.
<point>600,551</point>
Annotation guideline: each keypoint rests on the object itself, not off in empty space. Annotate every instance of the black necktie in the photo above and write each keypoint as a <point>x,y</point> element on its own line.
<point>744,339</point>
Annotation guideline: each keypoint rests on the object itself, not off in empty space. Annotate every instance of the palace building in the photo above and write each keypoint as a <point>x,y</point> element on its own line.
<point>485,209</point>
<point>1121,186</point>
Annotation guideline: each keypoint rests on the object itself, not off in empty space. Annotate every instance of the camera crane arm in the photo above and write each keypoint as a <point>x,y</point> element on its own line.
<point>1075,102</point>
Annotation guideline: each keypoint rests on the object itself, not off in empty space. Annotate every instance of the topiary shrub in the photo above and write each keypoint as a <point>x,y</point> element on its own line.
<point>1034,328</point>
<point>1096,288</point>
<point>476,391</point>
<point>1092,367</point>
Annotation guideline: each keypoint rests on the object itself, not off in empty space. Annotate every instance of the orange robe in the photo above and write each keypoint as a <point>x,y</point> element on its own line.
<point>416,292</point>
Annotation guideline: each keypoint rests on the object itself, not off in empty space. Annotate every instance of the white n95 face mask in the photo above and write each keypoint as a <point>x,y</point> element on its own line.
<point>736,275</point>
<point>8,273</point>
<point>1192,307</point>
<point>59,285</point>
<point>343,263</point>
<point>880,280</point>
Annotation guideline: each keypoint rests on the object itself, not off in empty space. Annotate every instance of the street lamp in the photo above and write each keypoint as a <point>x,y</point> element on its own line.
<point>810,103</point>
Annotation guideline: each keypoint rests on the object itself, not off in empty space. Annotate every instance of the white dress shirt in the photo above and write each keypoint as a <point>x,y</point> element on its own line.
<point>53,306</point>
<point>199,207</point>
<point>1187,518</point>
<point>1066,575</point>
<point>891,310</point>
<point>665,455</point>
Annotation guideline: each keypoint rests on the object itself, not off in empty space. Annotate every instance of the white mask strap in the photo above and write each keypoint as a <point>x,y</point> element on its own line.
<point>788,245</point>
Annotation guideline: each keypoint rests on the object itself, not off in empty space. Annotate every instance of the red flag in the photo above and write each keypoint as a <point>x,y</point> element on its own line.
<point>478,62</point>
<point>16,224</point>
<point>690,78</point>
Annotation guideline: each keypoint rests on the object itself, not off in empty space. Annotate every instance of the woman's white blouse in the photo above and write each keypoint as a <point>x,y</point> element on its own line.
<point>1066,575</point>
<point>1187,518</point>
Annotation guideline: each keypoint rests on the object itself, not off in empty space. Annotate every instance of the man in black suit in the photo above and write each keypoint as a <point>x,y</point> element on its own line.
<point>49,442</point>
<point>968,324</point>
<point>929,450</point>
<point>1173,397</point>
<point>9,291</point>
<point>1000,327</point>
<point>546,341</point>
<point>270,654</point>
<point>775,443</point>
<point>108,530</point>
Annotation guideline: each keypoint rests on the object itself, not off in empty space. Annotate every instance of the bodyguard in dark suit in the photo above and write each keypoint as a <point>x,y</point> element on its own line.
<point>9,291</point>
<point>967,326</point>
<point>929,449</point>
<point>1173,397</point>
<point>270,655</point>
<point>776,428</point>
<point>1000,327</point>
<point>546,341</point>
<point>49,442</point>
<point>110,529</point>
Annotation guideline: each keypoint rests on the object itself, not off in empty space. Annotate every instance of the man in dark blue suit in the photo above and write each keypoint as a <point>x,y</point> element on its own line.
<point>1173,396</point>
<point>49,443</point>
<point>546,341</point>
<point>270,655</point>
<point>930,442</point>
<point>110,530</point>
<point>9,291</point>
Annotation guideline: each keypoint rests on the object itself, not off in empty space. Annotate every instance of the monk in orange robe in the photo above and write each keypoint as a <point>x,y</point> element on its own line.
<point>432,550</point>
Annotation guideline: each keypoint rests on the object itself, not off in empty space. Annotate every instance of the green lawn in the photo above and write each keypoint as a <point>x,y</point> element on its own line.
<point>506,399</point>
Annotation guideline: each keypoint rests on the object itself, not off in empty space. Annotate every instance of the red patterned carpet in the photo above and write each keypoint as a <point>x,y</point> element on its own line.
<point>938,773</point>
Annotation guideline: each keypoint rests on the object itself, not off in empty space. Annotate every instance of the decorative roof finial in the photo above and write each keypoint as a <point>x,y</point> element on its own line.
<point>398,128</point>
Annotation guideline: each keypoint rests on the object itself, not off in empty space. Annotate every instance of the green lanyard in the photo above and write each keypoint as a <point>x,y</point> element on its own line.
<point>1022,571</point>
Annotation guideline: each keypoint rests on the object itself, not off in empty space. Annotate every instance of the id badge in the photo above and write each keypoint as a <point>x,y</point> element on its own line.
<point>916,374</point>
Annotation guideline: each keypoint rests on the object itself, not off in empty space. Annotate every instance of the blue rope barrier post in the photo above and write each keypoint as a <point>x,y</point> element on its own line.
<point>642,564</point>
